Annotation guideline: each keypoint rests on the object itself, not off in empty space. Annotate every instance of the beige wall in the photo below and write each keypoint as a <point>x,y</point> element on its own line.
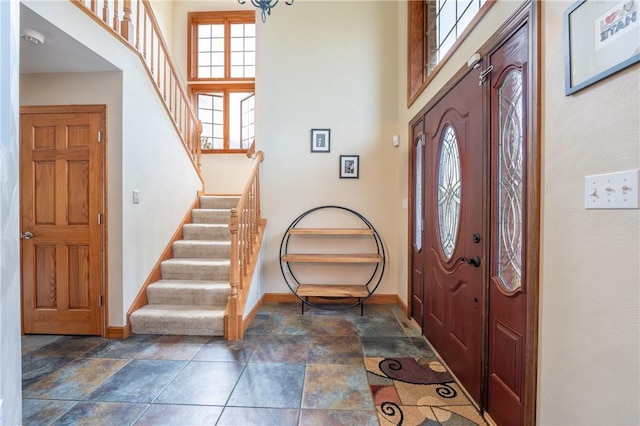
<point>590,278</point>
<point>329,65</point>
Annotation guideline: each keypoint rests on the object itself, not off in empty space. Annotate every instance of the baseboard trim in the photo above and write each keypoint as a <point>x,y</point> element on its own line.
<point>118,332</point>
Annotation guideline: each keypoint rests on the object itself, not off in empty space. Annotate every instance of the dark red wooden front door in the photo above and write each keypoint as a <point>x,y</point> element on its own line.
<point>454,217</point>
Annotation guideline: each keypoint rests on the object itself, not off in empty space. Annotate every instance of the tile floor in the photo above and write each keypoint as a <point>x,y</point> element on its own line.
<point>290,369</point>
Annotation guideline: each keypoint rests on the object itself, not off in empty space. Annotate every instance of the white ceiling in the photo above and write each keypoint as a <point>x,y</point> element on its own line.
<point>59,53</point>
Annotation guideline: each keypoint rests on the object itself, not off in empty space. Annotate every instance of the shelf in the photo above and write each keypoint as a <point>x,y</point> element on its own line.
<point>333,258</point>
<point>331,231</point>
<point>332,290</point>
<point>341,240</point>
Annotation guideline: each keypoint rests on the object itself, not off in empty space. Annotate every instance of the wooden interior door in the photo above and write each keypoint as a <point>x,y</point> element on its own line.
<point>507,296</point>
<point>417,224</point>
<point>62,194</point>
<point>454,258</point>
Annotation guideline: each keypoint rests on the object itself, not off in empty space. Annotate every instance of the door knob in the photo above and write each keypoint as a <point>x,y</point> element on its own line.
<point>475,261</point>
<point>26,235</point>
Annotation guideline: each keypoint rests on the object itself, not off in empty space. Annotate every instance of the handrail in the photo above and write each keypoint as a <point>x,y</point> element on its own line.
<point>138,29</point>
<point>246,226</point>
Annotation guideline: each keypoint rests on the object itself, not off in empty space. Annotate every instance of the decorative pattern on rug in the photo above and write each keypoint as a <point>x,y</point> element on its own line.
<point>418,391</point>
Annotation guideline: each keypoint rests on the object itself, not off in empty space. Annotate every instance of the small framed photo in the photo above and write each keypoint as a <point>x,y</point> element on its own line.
<point>349,166</point>
<point>320,140</point>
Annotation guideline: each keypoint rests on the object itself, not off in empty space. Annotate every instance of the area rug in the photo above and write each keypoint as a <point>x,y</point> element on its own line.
<point>418,391</point>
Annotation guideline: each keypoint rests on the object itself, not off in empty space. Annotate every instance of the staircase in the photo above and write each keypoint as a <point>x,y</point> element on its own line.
<point>191,297</point>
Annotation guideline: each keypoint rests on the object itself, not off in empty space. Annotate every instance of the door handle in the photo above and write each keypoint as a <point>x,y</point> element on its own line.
<point>26,235</point>
<point>475,261</point>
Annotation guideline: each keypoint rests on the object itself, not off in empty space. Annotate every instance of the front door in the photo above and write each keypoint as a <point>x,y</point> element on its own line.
<point>62,200</point>
<point>454,216</point>
<point>507,296</point>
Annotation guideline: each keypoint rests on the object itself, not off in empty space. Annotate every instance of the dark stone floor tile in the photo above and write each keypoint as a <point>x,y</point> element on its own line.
<point>138,381</point>
<point>75,380</point>
<point>177,348</point>
<point>125,348</point>
<point>34,368</point>
<point>288,308</point>
<point>337,387</point>
<point>69,346</point>
<point>334,350</point>
<point>202,383</point>
<point>331,309</point>
<point>263,325</point>
<point>42,411</point>
<point>269,385</point>
<point>280,348</point>
<point>334,326</point>
<point>235,416</point>
<point>423,347</point>
<point>338,418</point>
<point>179,415</point>
<point>388,347</point>
<point>378,326</point>
<point>280,324</point>
<point>268,308</point>
<point>101,413</point>
<point>31,342</point>
<point>219,349</point>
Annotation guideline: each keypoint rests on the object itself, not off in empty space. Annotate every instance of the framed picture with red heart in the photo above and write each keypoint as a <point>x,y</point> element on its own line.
<point>601,38</point>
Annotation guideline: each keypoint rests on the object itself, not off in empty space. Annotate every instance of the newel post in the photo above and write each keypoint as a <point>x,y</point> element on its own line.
<point>232,328</point>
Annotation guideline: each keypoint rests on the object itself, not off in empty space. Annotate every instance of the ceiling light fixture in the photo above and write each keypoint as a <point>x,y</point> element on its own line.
<point>265,6</point>
<point>32,36</point>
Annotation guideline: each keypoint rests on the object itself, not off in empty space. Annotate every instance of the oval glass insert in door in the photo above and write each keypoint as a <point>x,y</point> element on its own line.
<point>449,192</point>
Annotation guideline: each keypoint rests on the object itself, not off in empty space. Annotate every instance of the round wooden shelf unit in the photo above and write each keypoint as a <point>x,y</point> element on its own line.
<point>334,290</point>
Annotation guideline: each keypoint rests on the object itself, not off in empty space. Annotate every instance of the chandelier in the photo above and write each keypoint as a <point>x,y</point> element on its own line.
<point>265,6</point>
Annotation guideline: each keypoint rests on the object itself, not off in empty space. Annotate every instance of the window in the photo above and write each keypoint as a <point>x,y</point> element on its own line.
<point>221,77</point>
<point>436,28</point>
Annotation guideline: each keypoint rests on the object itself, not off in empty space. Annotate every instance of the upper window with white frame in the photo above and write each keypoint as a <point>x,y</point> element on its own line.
<point>221,77</point>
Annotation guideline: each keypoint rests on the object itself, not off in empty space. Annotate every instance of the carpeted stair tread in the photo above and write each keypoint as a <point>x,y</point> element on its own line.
<point>220,216</point>
<point>206,231</point>
<point>195,269</point>
<point>211,249</point>
<point>188,292</point>
<point>191,320</point>
<point>219,201</point>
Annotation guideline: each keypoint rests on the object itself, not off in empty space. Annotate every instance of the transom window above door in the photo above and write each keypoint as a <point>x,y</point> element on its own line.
<point>221,77</point>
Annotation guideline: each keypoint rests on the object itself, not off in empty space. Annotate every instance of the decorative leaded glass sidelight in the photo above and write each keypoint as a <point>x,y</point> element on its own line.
<point>417,237</point>
<point>449,192</point>
<point>510,166</point>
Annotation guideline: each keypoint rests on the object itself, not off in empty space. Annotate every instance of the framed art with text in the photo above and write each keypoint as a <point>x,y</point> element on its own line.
<point>601,37</point>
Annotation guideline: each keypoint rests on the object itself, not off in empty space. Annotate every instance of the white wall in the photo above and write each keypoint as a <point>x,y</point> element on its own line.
<point>10,355</point>
<point>225,173</point>
<point>590,281</point>
<point>152,160</point>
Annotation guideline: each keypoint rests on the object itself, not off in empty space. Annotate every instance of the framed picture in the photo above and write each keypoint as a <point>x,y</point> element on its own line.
<point>320,140</point>
<point>601,37</point>
<point>349,166</point>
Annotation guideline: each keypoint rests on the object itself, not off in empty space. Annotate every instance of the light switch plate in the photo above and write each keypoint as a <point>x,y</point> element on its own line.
<point>136,196</point>
<point>617,190</point>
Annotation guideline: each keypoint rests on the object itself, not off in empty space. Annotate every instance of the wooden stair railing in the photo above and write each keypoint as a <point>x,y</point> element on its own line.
<point>247,228</point>
<point>133,22</point>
